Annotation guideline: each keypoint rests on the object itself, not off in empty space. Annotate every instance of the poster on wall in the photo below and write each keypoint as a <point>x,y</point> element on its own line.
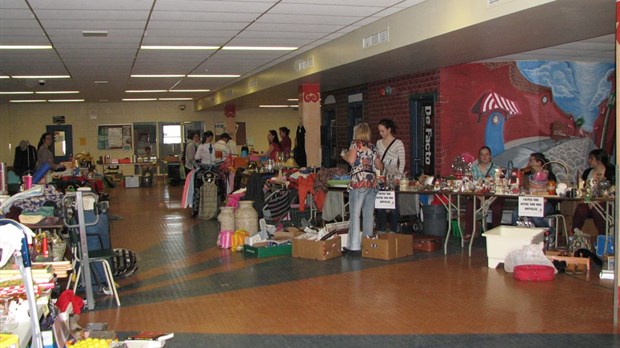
<point>114,137</point>
<point>219,128</point>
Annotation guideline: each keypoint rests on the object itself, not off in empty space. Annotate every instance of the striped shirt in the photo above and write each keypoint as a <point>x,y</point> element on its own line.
<point>395,156</point>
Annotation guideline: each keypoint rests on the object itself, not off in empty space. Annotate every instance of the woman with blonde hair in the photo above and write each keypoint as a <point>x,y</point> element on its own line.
<point>363,158</point>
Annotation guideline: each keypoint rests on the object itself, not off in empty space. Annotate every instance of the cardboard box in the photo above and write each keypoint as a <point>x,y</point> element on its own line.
<point>132,181</point>
<point>388,246</point>
<point>317,249</point>
<point>262,250</point>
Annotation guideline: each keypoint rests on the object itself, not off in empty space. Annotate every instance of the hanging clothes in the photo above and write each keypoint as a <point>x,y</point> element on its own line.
<point>300,146</point>
<point>25,159</point>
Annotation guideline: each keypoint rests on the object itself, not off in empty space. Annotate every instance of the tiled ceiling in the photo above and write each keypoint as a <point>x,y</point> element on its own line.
<point>131,23</point>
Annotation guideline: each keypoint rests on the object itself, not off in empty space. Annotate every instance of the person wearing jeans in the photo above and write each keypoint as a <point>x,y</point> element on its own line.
<point>363,158</point>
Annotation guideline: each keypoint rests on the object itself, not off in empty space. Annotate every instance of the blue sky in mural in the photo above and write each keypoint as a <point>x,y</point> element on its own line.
<point>578,88</point>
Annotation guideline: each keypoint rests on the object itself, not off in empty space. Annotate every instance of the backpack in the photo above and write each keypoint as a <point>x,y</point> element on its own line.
<point>277,204</point>
<point>125,262</point>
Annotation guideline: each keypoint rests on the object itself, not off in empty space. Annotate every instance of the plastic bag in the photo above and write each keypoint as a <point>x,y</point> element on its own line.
<point>531,254</point>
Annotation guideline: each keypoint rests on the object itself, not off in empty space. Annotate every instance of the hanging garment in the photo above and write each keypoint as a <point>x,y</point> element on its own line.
<point>25,159</point>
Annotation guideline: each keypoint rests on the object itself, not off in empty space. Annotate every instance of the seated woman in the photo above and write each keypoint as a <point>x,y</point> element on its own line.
<point>538,175</point>
<point>484,168</point>
<point>600,169</point>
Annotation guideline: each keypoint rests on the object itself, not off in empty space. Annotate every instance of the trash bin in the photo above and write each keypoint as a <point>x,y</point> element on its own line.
<point>435,220</point>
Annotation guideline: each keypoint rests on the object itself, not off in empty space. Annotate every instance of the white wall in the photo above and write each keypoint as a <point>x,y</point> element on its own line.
<point>28,121</point>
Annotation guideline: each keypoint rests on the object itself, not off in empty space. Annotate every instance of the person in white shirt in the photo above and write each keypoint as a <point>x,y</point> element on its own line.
<point>206,151</point>
<point>222,150</point>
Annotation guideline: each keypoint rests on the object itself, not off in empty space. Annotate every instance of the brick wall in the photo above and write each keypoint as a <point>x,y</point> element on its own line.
<point>394,106</point>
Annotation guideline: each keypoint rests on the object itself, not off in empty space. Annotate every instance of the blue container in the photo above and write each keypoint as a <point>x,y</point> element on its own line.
<point>40,173</point>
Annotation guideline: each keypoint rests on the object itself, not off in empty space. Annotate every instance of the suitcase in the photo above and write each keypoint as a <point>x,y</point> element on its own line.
<point>426,243</point>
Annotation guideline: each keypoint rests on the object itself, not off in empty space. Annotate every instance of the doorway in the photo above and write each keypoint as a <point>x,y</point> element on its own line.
<point>63,142</point>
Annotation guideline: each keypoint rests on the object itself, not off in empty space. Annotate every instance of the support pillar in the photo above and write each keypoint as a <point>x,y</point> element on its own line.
<point>310,116</point>
<point>230,111</point>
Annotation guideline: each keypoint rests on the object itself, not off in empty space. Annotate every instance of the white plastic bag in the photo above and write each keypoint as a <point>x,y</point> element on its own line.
<point>531,254</point>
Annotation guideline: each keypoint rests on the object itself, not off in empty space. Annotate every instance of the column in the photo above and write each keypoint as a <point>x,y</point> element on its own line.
<point>310,115</point>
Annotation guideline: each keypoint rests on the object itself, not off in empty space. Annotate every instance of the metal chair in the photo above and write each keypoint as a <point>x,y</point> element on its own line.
<point>73,209</point>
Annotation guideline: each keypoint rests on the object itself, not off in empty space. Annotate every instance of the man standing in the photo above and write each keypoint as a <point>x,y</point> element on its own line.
<point>190,151</point>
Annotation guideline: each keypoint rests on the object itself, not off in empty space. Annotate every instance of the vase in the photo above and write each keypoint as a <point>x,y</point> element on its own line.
<point>226,218</point>
<point>246,218</point>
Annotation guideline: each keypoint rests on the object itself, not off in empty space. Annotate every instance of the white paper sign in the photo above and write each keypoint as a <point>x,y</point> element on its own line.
<point>532,206</point>
<point>385,200</point>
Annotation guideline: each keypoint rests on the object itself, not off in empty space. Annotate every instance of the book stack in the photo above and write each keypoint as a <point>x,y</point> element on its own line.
<point>59,268</point>
<point>42,275</point>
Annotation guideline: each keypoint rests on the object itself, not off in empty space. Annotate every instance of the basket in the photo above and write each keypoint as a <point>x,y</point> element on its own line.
<point>534,273</point>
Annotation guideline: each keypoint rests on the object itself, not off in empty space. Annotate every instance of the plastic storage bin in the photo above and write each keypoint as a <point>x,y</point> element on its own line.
<point>503,239</point>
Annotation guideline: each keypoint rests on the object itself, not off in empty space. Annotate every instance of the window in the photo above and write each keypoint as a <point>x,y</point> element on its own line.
<point>172,134</point>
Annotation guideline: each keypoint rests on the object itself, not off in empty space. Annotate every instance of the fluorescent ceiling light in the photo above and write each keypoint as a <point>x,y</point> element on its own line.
<point>101,82</point>
<point>23,92</point>
<point>211,75</point>
<point>189,90</point>
<point>42,77</point>
<point>169,75</point>
<point>57,92</point>
<point>259,48</point>
<point>145,91</point>
<point>273,106</point>
<point>161,47</point>
<point>25,47</point>
<point>139,99</point>
<point>176,98</point>
<point>29,101</point>
<point>292,99</point>
<point>65,100</point>
<point>5,77</point>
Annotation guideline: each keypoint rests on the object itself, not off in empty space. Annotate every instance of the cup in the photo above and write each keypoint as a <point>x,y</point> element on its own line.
<point>27,181</point>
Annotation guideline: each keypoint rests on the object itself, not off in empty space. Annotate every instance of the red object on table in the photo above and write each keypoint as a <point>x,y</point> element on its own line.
<point>534,273</point>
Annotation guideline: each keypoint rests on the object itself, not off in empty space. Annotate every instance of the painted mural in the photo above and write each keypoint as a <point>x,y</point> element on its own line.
<point>562,109</point>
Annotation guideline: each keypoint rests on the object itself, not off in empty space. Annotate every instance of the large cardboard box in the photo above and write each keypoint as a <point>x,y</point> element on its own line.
<point>316,249</point>
<point>388,246</point>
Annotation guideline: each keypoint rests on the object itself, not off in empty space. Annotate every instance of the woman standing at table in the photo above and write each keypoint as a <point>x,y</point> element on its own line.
<point>274,145</point>
<point>391,151</point>
<point>483,169</point>
<point>600,169</point>
<point>44,154</point>
<point>363,159</point>
<point>538,175</point>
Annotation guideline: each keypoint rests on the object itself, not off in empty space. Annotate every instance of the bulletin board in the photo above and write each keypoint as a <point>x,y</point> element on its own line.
<point>114,137</point>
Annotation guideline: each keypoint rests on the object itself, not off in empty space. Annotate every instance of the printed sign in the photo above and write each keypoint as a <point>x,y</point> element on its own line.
<point>429,138</point>
<point>531,206</point>
<point>385,200</point>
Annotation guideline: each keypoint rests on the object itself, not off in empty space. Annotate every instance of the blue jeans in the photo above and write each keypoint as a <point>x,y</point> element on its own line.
<point>537,221</point>
<point>361,204</point>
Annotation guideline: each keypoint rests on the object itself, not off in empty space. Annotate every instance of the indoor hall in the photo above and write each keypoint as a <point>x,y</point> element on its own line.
<point>210,297</point>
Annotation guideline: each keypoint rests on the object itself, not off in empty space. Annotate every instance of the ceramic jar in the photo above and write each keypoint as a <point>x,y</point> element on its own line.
<point>246,218</point>
<point>227,218</point>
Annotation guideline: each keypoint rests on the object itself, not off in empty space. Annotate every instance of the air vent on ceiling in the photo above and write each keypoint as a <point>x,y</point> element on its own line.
<point>304,64</point>
<point>94,33</point>
<point>228,92</point>
<point>376,38</point>
<point>253,83</point>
